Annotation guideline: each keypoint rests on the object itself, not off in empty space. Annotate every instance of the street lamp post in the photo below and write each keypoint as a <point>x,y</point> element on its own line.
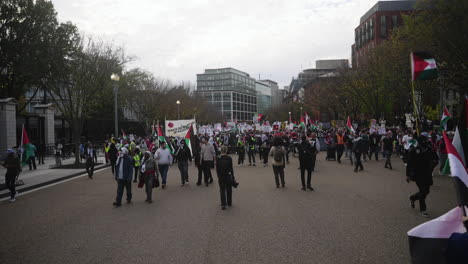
<point>178,109</point>
<point>115,78</point>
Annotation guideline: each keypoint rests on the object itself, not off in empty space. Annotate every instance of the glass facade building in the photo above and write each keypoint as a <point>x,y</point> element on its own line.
<point>263,96</point>
<point>232,92</point>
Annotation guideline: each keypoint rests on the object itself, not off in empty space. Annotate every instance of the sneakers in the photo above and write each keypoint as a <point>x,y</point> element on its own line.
<point>303,188</point>
<point>12,200</point>
<point>424,213</point>
<point>310,188</point>
<point>116,204</point>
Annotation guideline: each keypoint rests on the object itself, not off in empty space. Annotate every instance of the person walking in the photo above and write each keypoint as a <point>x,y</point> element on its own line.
<point>198,161</point>
<point>307,154</point>
<point>58,153</point>
<point>208,157</point>
<point>387,149</point>
<point>357,150</point>
<point>90,155</point>
<point>106,151</point>
<point>183,156</point>
<point>240,152</point>
<point>339,145</point>
<point>13,169</point>
<point>149,169</point>
<point>420,164</point>
<point>123,176</point>
<point>137,157</point>
<point>266,151</point>
<point>251,142</point>
<point>226,179</point>
<point>30,151</point>
<point>315,146</point>
<point>113,153</point>
<point>278,153</point>
<point>164,159</point>
<point>41,152</point>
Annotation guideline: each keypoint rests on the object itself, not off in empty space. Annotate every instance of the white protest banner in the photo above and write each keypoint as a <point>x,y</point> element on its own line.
<point>382,131</point>
<point>218,127</point>
<point>179,128</point>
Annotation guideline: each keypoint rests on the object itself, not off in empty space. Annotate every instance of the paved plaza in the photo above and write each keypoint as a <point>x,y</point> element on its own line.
<point>350,218</point>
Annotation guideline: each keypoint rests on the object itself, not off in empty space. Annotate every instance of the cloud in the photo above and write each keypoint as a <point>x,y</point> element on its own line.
<point>178,39</point>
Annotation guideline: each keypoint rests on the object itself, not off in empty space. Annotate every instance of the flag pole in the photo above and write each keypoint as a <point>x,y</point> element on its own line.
<point>415,110</point>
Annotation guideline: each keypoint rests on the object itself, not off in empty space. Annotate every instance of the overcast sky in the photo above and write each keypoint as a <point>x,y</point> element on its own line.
<point>176,39</point>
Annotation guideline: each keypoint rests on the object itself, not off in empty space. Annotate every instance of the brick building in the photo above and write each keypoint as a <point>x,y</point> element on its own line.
<point>376,25</point>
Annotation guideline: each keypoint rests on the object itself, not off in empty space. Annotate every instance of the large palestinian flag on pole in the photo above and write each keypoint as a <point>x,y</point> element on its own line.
<point>162,138</point>
<point>445,118</point>
<point>27,149</point>
<point>429,242</point>
<point>423,66</point>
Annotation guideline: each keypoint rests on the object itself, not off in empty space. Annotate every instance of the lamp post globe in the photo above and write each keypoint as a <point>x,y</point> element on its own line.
<point>178,109</point>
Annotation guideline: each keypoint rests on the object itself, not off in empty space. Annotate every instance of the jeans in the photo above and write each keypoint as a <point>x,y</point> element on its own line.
<point>421,196</point>
<point>309,175</point>
<point>225,191</point>
<point>207,171</point>
<point>241,158</point>
<point>58,160</point>
<point>183,167</point>
<point>339,152</point>
<point>388,156</point>
<point>32,163</point>
<point>265,156</point>
<point>200,173</point>
<point>251,156</point>
<point>279,174</point>
<point>374,149</point>
<point>163,169</point>
<point>10,181</point>
<point>358,162</point>
<point>121,184</point>
<point>137,169</point>
<point>90,167</point>
<point>287,154</point>
<point>149,186</point>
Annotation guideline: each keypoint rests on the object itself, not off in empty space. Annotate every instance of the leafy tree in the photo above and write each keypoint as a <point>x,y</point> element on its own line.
<point>33,45</point>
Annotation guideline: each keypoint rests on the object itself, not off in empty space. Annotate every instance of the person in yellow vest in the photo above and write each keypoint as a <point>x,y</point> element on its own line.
<point>106,151</point>
<point>136,162</point>
<point>132,146</point>
<point>339,145</point>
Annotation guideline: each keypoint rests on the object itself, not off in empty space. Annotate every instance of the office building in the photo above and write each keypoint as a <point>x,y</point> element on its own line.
<point>264,96</point>
<point>231,91</point>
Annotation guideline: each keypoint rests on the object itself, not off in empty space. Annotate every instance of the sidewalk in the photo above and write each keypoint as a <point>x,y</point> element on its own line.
<point>44,175</point>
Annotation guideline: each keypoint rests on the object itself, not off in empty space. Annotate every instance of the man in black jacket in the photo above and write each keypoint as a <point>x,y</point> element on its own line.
<point>357,150</point>
<point>226,180</point>
<point>420,164</point>
<point>307,154</point>
<point>183,155</point>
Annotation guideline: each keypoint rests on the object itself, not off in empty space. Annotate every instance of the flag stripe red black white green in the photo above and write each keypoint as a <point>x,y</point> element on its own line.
<point>423,66</point>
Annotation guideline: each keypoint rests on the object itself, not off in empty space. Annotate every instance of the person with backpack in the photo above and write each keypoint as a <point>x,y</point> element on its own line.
<point>357,150</point>
<point>307,155</point>
<point>12,164</point>
<point>226,179</point>
<point>278,153</point>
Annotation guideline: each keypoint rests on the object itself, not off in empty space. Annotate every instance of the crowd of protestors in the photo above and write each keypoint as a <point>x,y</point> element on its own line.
<point>146,160</point>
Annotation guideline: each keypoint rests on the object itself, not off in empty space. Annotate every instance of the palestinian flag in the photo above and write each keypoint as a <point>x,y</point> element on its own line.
<point>162,138</point>
<point>349,125</point>
<point>423,66</point>
<point>188,137</point>
<point>27,149</point>
<point>123,134</point>
<point>458,155</point>
<point>261,118</point>
<point>428,242</point>
<point>153,131</point>
<point>446,116</point>
<point>303,122</point>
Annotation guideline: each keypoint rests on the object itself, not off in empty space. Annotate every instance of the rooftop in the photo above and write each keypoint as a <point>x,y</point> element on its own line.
<point>224,70</point>
<point>388,6</point>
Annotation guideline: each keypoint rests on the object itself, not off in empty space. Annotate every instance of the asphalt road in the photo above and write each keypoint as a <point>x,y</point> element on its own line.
<point>350,218</point>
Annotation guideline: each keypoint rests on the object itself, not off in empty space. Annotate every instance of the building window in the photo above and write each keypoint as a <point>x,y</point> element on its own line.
<point>394,22</point>
<point>383,26</point>
<point>371,25</point>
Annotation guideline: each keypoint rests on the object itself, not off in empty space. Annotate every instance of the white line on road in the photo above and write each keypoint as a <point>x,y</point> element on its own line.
<point>52,184</point>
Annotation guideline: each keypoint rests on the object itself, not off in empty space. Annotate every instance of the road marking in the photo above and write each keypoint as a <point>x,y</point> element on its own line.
<point>52,184</point>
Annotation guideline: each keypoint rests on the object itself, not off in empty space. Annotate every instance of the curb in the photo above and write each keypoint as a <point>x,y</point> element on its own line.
<point>42,184</point>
